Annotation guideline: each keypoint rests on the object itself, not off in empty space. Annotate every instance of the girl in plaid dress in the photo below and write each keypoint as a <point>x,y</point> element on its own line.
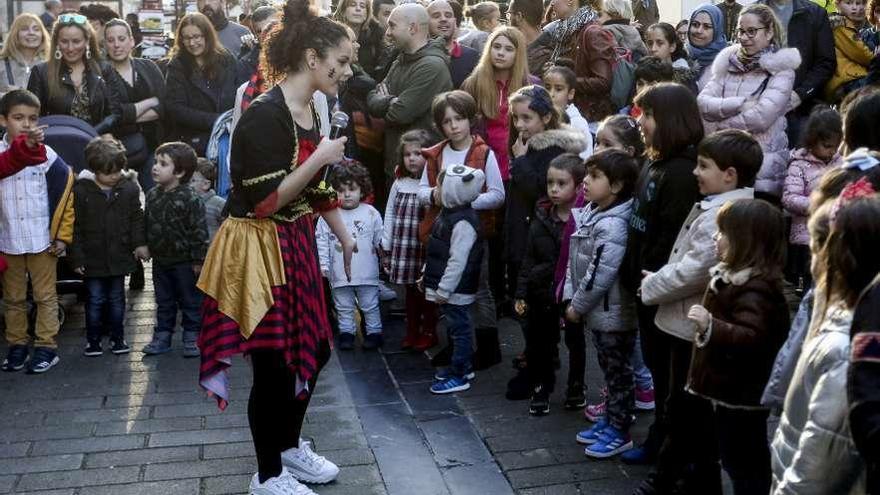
<point>404,253</point>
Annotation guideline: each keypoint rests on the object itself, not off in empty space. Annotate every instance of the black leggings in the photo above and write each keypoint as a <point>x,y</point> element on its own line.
<point>274,414</point>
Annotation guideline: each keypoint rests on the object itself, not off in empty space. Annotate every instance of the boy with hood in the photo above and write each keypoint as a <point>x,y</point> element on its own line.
<point>452,269</point>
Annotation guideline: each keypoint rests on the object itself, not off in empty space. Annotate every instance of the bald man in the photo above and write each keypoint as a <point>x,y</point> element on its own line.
<point>420,72</point>
<point>445,18</point>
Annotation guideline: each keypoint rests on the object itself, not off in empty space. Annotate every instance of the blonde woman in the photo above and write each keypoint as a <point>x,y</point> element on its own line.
<point>502,69</point>
<point>26,45</point>
<point>615,17</point>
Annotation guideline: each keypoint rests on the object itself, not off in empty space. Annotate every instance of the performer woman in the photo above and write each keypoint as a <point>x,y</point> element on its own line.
<point>261,275</point>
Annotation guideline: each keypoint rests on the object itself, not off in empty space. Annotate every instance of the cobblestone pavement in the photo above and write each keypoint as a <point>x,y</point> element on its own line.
<point>140,425</point>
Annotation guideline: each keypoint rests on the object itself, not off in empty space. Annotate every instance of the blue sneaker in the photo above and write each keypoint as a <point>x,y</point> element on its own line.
<point>43,360</point>
<point>611,442</point>
<point>16,358</point>
<point>446,373</point>
<point>592,435</point>
<point>451,385</point>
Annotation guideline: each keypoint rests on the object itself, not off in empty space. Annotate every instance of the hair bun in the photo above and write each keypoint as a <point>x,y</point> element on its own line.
<point>564,62</point>
<point>298,12</point>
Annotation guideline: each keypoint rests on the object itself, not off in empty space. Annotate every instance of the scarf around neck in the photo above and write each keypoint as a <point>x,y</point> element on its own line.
<point>704,56</point>
<point>742,62</point>
<point>570,26</point>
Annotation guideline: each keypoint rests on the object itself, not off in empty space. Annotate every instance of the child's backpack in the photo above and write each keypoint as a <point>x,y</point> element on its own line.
<point>623,77</point>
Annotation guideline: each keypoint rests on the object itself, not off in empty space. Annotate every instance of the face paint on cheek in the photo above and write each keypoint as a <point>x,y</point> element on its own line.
<point>332,73</point>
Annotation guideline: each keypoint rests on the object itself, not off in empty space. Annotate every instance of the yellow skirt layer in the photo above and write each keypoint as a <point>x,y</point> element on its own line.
<point>242,265</point>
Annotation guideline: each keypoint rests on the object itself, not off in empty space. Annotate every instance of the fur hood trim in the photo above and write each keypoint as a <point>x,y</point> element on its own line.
<point>566,137</point>
<point>89,175</point>
<point>774,63</point>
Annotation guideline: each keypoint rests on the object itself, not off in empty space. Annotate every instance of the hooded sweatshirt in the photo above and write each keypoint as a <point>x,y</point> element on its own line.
<point>454,254</point>
<point>412,82</point>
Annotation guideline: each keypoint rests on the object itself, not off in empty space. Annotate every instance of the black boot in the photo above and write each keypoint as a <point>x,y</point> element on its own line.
<point>488,352</point>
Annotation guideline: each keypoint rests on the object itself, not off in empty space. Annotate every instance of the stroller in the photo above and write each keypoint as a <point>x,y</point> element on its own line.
<point>68,136</point>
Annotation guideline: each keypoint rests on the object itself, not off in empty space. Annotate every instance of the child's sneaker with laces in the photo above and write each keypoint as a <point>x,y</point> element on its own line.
<point>119,347</point>
<point>451,385</point>
<point>591,435</point>
<point>575,397</point>
<point>16,358</point>
<point>307,466</point>
<point>43,360</point>
<point>93,349</point>
<point>645,399</point>
<point>540,403</point>
<point>445,373</point>
<point>610,443</point>
<point>160,344</point>
<point>283,484</point>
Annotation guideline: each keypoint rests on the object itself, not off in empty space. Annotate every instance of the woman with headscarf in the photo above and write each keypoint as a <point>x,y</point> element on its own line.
<point>577,35</point>
<point>26,45</point>
<point>705,40</point>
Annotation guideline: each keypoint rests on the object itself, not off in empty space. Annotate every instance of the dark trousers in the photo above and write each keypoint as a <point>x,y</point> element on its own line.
<point>576,342</point>
<point>742,445</point>
<point>800,257</point>
<point>106,299</point>
<point>275,414</point>
<point>460,331</point>
<point>421,314</point>
<point>542,327</point>
<point>689,451</point>
<point>655,351</point>
<point>175,288</point>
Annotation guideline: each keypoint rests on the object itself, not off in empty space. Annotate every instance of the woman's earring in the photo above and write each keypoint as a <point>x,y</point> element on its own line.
<point>88,52</point>
<point>58,54</point>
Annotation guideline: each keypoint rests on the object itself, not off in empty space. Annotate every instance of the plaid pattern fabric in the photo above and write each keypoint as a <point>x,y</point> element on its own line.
<point>407,253</point>
<point>255,87</point>
<point>296,324</point>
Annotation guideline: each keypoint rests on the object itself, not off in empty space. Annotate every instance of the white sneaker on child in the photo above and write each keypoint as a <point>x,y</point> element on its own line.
<point>283,484</point>
<point>305,465</point>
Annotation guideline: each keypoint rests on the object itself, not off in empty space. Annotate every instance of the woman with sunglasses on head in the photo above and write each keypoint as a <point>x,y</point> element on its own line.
<point>26,45</point>
<point>141,100</point>
<point>201,82</point>
<point>73,82</point>
<point>751,90</point>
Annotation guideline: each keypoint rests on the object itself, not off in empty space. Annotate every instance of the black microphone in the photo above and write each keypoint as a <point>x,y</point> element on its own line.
<point>338,123</point>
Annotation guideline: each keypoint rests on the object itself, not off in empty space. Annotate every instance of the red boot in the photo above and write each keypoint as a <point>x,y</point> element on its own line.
<point>425,341</point>
<point>412,336</point>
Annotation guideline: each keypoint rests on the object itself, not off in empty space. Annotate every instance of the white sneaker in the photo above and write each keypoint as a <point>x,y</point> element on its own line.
<point>305,465</point>
<point>283,484</point>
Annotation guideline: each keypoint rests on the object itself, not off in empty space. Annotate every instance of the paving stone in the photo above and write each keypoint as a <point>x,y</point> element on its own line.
<point>333,489</point>
<point>19,465</point>
<point>84,445</point>
<point>141,456</point>
<point>175,487</point>
<point>160,399</point>
<point>359,476</point>
<point>148,426</point>
<point>199,437</point>
<point>51,405</point>
<point>61,491</point>
<point>98,415</point>
<point>200,469</point>
<point>525,459</point>
<point>454,442</point>
<point>226,420</point>
<point>226,485</point>
<point>6,483</point>
<point>86,477</point>
<point>225,450</point>
<point>79,430</point>
<point>203,409</point>
<point>13,449</point>
<point>477,479</point>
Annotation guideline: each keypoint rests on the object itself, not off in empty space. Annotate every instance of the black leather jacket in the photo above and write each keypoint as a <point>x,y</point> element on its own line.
<point>104,95</point>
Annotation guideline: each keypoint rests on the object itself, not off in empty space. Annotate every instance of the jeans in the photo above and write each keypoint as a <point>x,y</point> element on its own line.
<point>106,297</point>
<point>641,373</point>
<point>175,287</point>
<point>459,329</point>
<point>349,298</point>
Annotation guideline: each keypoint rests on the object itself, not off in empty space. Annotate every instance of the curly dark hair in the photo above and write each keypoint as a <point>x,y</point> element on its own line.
<point>351,172</point>
<point>300,29</point>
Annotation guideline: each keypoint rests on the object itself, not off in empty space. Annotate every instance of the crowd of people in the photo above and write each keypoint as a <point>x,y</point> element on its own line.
<point>575,165</point>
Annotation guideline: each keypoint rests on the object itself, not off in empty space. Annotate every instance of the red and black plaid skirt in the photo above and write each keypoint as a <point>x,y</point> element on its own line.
<point>296,324</point>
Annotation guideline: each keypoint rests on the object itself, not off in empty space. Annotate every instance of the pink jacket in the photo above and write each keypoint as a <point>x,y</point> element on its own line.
<point>803,176</point>
<point>755,102</point>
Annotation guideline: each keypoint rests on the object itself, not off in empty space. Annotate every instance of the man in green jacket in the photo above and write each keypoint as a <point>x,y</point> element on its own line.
<point>421,72</point>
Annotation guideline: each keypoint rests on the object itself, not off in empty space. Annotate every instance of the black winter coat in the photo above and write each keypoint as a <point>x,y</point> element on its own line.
<point>194,102</point>
<point>536,274</point>
<point>863,377</point>
<point>749,324</point>
<point>147,71</point>
<point>810,32</point>
<point>665,193</point>
<point>104,95</point>
<point>106,230</point>
<point>372,55</point>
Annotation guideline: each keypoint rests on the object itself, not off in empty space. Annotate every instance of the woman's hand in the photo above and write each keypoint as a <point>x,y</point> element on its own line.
<point>349,247</point>
<point>571,315</point>
<point>330,151</point>
<point>520,307</point>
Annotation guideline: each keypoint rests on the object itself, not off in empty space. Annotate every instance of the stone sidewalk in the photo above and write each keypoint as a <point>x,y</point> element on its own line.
<point>131,424</point>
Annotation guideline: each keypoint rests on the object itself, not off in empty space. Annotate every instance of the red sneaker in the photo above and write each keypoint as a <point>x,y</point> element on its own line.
<point>425,341</point>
